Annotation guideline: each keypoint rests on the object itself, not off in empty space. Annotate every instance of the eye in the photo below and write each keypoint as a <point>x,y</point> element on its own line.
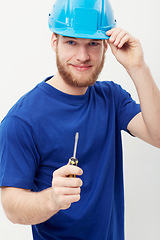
<point>94,44</point>
<point>71,42</point>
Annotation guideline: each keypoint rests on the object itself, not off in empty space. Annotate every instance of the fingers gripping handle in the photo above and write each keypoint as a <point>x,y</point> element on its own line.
<point>73,161</point>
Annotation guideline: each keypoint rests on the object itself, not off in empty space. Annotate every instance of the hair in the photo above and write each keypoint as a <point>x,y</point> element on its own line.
<point>57,35</point>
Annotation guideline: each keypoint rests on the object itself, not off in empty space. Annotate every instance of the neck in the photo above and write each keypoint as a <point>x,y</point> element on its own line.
<point>58,83</point>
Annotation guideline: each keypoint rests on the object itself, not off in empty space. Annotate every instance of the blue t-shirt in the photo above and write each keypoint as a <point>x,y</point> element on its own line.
<point>37,137</point>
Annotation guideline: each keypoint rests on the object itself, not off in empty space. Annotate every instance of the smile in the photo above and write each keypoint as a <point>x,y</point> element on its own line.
<point>81,68</point>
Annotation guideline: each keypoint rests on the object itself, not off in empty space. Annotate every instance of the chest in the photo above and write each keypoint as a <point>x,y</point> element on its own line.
<point>96,124</point>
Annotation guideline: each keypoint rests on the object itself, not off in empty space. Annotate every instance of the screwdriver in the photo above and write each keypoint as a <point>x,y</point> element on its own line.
<point>73,160</point>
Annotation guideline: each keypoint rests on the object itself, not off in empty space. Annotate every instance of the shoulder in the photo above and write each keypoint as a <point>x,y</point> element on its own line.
<point>27,105</point>
<point>21,117</point>
<point>109,88</point>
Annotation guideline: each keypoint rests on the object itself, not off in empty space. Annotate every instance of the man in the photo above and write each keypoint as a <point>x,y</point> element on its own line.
<point>37,139</point>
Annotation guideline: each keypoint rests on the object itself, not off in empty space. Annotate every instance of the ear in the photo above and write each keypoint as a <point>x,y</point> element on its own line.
<point>54,41</point>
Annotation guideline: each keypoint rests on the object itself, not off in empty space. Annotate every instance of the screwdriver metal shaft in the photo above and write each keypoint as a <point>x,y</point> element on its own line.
<point>75,144</point>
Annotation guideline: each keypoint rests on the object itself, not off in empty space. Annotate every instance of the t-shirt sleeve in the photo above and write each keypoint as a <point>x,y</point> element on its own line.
<point>127,107</point>
<point>18,154</point>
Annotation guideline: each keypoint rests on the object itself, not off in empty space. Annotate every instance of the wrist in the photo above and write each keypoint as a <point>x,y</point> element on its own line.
<point>139,68</point>
<point>140,75</point>
<point>50,202</point>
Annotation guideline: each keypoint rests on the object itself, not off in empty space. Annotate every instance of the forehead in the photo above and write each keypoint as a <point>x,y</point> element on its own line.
<point>83,40</point>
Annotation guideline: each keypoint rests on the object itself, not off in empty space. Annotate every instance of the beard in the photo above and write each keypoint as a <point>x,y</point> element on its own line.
<point>79,79</point>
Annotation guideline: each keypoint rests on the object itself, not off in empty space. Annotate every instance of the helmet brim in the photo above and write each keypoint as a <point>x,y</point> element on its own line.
<point>77,34</point>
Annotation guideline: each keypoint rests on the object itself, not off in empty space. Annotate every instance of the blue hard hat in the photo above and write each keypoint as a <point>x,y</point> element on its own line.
<point>82,18</point>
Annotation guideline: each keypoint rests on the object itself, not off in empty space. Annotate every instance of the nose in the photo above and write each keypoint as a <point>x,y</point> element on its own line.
<point>82,54</point>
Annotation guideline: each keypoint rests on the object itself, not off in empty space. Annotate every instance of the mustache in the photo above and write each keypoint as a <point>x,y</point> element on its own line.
<point>84,64</point>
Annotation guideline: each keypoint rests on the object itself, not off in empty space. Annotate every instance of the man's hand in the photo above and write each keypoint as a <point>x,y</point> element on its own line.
<point>66,190</point>
<point>23,206</point>
<point>125,48</point>
<point>128,52</point>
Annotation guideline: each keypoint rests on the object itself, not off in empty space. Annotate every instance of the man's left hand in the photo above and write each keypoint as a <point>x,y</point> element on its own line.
<point>125,48</point>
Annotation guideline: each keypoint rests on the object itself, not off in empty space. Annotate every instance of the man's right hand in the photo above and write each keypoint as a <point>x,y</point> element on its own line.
<point>66,190</point>
<point>24,206</point>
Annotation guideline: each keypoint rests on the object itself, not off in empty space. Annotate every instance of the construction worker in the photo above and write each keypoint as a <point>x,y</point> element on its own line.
<point>37,135</point>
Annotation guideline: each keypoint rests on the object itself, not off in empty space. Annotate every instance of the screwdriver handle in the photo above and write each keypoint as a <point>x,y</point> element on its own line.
<point>73,161</point>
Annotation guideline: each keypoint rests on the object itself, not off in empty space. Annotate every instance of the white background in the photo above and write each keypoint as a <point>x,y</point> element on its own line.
<point>26,58</point>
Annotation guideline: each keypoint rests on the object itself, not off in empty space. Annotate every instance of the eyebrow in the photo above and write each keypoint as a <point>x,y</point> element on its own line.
<point>94,40</point>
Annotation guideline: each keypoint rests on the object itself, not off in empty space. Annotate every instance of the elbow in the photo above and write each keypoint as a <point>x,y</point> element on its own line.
<point>156,141</point>
<point>158,145</point>
<point>7,206</point>
<point>10,216</point>
<point>8,213</point>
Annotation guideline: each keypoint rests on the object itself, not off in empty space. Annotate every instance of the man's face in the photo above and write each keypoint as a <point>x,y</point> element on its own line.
<point>80,61</point>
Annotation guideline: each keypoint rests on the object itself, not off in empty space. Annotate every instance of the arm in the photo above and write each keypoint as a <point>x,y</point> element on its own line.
<point>25,207</point>
<point>128,52</point>
<point>146,124</point>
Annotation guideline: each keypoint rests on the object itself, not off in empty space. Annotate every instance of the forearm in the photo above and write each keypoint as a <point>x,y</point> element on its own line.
<point>30,208</point>
<point>26,207</point>
<point>149,97</point>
